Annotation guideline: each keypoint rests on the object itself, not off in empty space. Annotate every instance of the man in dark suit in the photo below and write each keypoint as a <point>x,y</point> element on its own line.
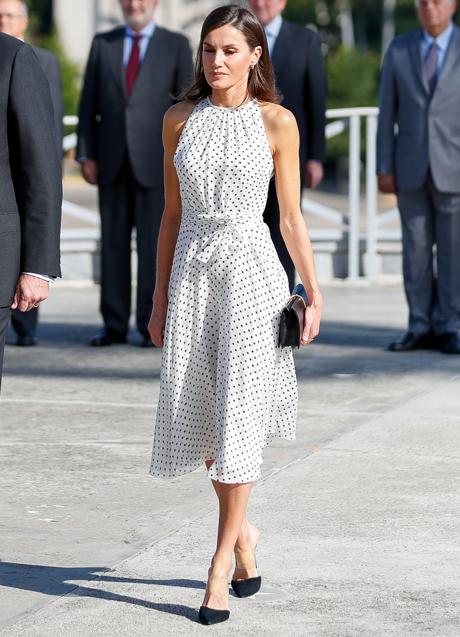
<point>133,72</point>
<point>14,21</point>
<point>300,76</point>
<point>30,183</point>
<point>418,158</point>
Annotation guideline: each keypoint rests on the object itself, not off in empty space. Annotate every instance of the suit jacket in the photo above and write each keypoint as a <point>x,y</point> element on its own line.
<point>50,66</point>
<point>111,124</point>
<point>300,77</point>
<point>30,176</point>
<point>428,128</point>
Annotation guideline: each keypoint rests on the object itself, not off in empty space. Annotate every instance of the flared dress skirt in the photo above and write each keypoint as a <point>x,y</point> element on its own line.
<point>226,388</point>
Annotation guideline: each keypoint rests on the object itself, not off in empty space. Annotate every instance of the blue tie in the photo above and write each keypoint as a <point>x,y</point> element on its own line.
<point>431,67</point>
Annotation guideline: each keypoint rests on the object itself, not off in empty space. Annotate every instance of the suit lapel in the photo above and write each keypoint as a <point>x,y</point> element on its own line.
<point>281,50</point>
<point>150,64</point>
<point>415,48</point>
<point>116,59</point>
<point>451,59</point>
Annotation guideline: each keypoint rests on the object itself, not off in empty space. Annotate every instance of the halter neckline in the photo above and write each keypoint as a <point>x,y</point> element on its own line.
<point>231,108</point>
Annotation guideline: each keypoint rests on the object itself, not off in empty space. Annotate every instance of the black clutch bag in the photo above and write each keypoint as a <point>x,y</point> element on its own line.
<point>292,318</point>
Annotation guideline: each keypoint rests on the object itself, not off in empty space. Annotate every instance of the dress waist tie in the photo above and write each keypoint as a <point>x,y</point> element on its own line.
<point>229,230</point>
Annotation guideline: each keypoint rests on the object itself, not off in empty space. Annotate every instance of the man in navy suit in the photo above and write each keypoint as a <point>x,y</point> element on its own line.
<point>300,76</point>
<point>14,21</point>
<point>132,76</point>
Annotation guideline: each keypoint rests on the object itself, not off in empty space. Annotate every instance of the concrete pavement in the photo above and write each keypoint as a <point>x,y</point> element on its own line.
<point>359,516</point>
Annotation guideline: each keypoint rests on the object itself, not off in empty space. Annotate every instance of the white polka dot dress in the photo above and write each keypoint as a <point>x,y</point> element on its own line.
<point>226,388</point>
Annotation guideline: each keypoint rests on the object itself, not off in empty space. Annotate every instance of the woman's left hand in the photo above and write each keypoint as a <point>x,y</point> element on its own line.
<point>312,320</point>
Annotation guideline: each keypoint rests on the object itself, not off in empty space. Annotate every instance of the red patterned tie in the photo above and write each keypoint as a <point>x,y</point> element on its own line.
<point>132,67</point>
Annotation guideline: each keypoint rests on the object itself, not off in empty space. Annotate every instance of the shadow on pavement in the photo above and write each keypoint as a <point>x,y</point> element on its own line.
<point>57,581</point>
<point>340,348</point>
<point>343,334</point>
<point>337,333</point>
<point>51,334</point>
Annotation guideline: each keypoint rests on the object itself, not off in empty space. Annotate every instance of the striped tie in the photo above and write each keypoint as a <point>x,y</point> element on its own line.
<point>431,67</point>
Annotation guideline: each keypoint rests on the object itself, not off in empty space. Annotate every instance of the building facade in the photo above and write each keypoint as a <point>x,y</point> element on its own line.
<point>78,21</point>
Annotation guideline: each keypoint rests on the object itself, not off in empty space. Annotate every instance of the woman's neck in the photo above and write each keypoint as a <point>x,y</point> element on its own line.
<point>230,98</point>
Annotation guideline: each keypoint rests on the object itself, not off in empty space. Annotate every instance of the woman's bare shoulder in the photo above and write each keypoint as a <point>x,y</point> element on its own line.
<point>176,116</point>
<point>277,119</point>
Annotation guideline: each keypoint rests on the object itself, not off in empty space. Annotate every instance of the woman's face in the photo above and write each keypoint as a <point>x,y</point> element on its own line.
<point>227,58</point>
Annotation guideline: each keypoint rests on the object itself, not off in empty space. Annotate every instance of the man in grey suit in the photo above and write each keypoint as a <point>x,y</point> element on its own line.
<point>131,76</point>
<point>14,21</point>
<point>418,159</point>
<point>30,183</point>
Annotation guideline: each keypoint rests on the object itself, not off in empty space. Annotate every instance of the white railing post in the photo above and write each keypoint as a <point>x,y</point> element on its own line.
<point>371,195</point>
<point>354,193</point>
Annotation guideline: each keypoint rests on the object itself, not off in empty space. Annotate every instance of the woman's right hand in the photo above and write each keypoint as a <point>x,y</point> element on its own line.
<point>157,321</point>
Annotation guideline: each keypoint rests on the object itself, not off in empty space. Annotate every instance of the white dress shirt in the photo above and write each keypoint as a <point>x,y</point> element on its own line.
<point>44,277</point>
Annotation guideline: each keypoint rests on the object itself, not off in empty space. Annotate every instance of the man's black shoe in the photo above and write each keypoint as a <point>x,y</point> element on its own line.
<point>413,341</point>
<point>105,338</point>
<point>26,341</point>
<point>449,343</point>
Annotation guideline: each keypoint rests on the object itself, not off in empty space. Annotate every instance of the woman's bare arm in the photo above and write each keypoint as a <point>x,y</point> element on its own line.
<point>283,136</point>
<point>173,123</point>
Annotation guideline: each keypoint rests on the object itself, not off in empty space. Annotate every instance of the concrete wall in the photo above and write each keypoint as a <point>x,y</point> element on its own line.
<point>81,256</point>
<point>75,22</point>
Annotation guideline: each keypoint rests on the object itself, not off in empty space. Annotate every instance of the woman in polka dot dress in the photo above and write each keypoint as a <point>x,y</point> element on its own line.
<point>226,388</point>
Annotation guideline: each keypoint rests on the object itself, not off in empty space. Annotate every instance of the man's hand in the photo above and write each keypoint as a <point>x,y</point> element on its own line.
<point>89,170</point>
<point>387,184</point>
<point>313,173</point>
<point>30,291</point>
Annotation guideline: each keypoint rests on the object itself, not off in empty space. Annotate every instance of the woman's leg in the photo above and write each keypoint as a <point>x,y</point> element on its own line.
<point>248,538</point>
<point>232,511</point>
<point>233,499</point>
<point>245,544</point>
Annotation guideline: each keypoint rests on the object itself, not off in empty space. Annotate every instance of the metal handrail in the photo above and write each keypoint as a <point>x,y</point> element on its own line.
<point>350,118</point>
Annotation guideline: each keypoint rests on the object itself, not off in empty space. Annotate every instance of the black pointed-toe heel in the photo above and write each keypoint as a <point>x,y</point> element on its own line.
<point>246,587</point>
<point>209,616</point>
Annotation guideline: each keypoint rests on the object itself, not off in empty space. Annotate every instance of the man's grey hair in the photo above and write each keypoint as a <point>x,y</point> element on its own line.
<point>24,8</point>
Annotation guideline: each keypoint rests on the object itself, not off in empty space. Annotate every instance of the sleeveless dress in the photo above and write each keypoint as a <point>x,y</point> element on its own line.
<point>226,388</point>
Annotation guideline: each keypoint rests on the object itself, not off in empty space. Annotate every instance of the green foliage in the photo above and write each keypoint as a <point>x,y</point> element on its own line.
<point>367,18</point>
<point>353,74</point>
<point>42,14</point>
<point>69,70</point>
<point>353,78</point>
<point>302,11</point>
<point>41,33</point>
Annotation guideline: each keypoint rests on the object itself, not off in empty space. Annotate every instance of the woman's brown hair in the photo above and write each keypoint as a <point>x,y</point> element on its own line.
<point>261,82</point>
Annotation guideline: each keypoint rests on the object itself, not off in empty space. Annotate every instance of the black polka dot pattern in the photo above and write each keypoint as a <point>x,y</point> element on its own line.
<point>226,388</point>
